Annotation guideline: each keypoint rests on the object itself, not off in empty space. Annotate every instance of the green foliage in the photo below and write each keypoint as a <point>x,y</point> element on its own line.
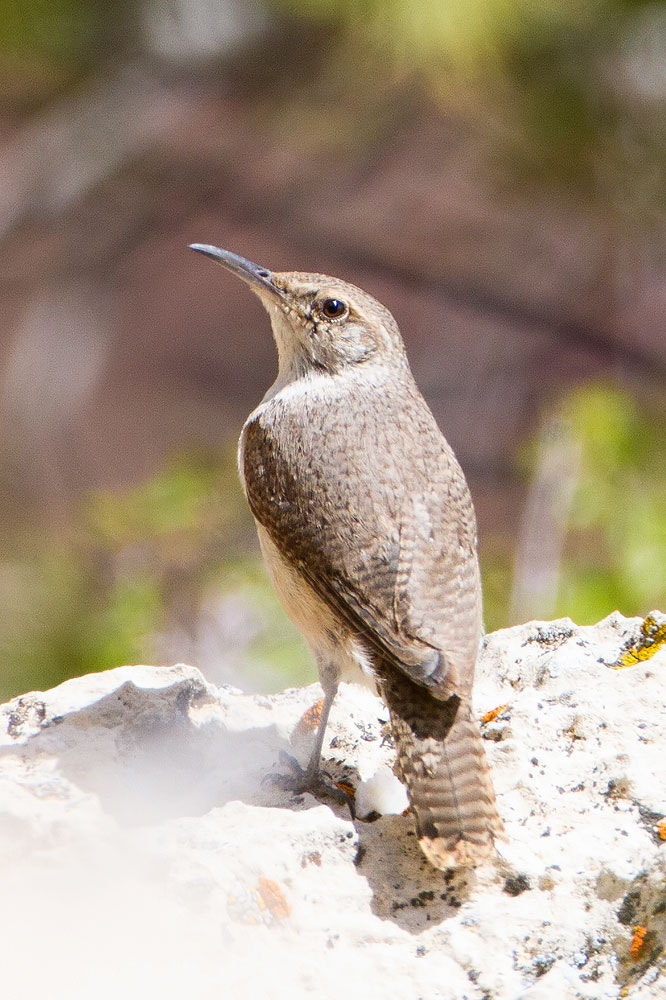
<point>136,566</point>
<point>549,82</point>
<point>435,33</point>
<point>614,554</point>
<point>616,551</point>
<point>64,30</point>
<point>496,571</point>
<point>47,46</point>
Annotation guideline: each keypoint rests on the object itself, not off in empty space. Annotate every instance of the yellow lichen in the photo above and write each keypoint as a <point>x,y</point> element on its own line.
<point>652,638</point>
<point>273,897</point>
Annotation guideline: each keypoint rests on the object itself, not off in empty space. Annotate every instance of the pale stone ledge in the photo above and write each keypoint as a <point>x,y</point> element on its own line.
<point>144,854</point>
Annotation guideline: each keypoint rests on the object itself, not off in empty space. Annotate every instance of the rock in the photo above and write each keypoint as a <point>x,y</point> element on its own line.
<point>146,852</point>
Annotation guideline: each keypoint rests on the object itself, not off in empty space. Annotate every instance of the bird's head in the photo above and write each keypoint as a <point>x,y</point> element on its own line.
<point>319,323</point>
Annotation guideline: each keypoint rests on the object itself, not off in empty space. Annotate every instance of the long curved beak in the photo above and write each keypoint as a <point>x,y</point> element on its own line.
<point>259,278</point>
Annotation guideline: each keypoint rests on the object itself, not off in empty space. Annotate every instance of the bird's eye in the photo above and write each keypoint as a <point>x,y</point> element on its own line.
<point>334,308</point>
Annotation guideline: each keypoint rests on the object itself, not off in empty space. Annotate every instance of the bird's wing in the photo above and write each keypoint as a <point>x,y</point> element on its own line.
<point>383,531</point>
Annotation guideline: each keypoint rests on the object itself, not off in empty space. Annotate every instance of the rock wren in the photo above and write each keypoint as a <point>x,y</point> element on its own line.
<point>368,533</point>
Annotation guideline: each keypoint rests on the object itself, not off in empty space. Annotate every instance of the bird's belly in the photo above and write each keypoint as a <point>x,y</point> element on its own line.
<point>337,652</point>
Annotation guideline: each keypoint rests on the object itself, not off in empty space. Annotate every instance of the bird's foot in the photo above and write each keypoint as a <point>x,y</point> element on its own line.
<point>311,780</point>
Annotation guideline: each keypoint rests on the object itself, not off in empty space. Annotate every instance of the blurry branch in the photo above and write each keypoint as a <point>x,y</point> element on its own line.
<point>545,521</point>
<point>185,30</point>
<point>60,154</point>
<point>53,366</point>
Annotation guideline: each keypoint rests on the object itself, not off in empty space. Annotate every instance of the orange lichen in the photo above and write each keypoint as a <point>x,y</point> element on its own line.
<point>346,788</point>
<point>651,639</point>
<point>309,721</point>
<point>661,829</point>
<point>637,942</point>
<point>493,713</point>
<point>273,897</point>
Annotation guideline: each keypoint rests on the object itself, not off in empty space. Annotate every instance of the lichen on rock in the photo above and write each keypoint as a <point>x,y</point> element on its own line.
<point>145,853</point>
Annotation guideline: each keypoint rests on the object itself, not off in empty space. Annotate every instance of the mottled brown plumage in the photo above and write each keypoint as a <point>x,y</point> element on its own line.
<point>368,533</point>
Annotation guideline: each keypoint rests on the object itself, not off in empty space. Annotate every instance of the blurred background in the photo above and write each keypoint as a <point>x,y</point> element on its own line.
<point>493,172</point>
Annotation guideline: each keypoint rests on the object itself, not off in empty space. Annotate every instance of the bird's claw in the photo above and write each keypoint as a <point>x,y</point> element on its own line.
<point>302,780</point>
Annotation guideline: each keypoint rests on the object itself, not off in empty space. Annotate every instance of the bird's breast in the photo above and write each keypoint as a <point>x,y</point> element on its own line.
<point>308,424</point>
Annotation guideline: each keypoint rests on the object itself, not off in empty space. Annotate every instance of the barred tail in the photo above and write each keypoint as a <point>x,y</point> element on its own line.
<point>443,764</point>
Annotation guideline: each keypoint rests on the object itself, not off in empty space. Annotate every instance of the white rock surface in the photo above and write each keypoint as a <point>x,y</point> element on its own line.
<point>143,853</point>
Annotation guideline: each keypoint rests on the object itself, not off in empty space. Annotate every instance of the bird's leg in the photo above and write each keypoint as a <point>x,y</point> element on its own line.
<point>311,779</point>
<point>312,772</point>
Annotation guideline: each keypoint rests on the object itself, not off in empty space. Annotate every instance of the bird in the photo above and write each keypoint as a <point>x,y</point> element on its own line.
<point>368,533</point>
